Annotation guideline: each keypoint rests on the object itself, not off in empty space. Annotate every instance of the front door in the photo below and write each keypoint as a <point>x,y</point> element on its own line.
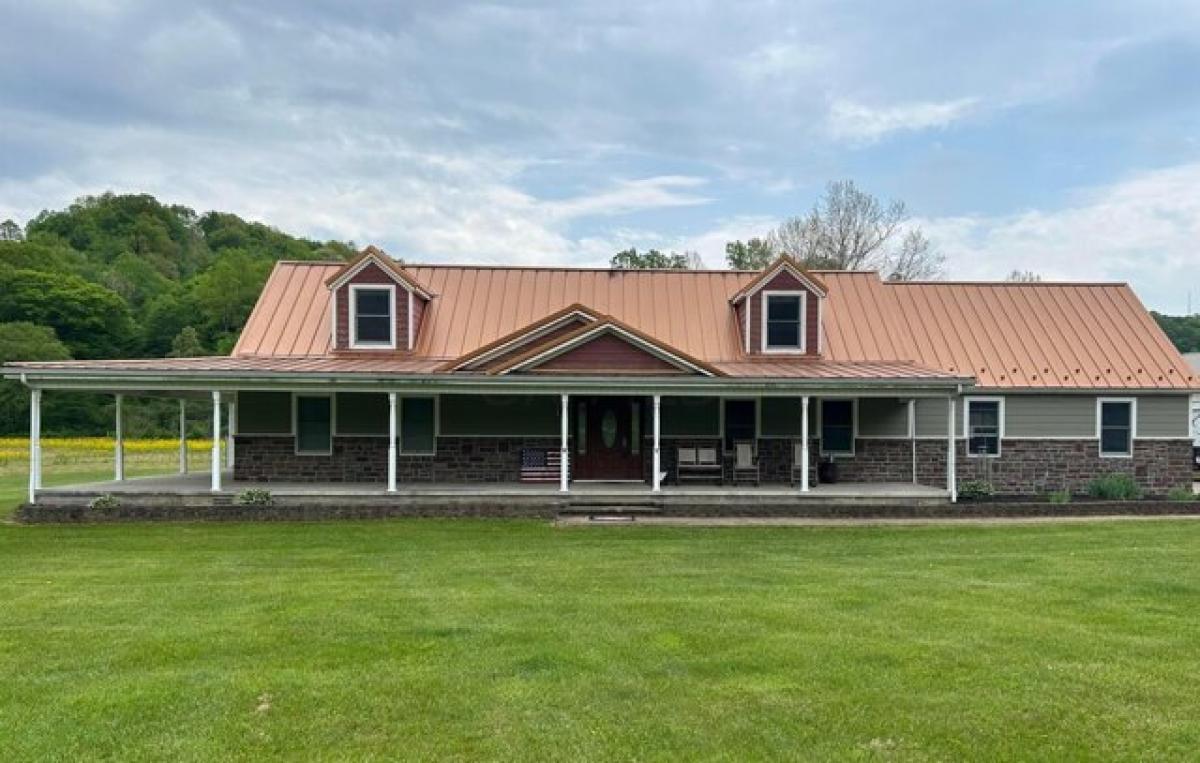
<point>608,433</point>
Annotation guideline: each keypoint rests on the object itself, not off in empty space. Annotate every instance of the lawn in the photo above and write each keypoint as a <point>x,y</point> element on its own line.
<point>518,640</point>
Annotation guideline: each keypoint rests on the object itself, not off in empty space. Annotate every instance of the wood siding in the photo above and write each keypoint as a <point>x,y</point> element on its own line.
<point>610,354</point>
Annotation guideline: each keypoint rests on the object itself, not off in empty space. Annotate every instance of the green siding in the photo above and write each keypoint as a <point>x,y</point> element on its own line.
<point>499,415</point>
<point>931,416</point>
<point>264,412</point>
<point>362,413</point>
<point>781,416</point>
<point>1050,416</point>
<point>883,417</point>
<point>1163,416</point>
<point>690,417</point>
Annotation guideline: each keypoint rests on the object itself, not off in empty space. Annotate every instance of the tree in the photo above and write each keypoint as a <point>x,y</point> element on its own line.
<point>10,231</point>
<point>631,259</point>
<point>1023,276</point>
<point>91,320</point>
<point>754,254</point>
<point>849,229</point>
<point>226,292</point>
<point>186,344</point>
<point>22,340</point>
<point>1182,330</point>
<point>915,259</point>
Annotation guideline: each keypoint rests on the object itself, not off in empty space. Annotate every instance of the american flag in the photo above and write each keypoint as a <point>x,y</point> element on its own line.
<point>540,464</point>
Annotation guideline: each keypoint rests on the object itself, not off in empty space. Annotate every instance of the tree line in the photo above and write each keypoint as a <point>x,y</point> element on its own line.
<point>126,276</point>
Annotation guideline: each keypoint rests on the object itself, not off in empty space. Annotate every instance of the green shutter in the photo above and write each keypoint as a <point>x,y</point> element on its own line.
<point>313,424</point>
<point>416,425</point>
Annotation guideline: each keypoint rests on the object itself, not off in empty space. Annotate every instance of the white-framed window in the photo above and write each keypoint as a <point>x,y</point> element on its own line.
<point>373,316</point>
<point>839,424</point>
<point>783,321</point>
<point>1116,426</point>
<point>313,419</point>
<point>983,426</point>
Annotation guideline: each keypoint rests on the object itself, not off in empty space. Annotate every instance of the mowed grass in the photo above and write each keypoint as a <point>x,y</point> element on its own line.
<point>517,640</point>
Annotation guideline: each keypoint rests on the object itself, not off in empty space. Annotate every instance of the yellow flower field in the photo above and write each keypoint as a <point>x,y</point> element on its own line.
<point>83,452</point>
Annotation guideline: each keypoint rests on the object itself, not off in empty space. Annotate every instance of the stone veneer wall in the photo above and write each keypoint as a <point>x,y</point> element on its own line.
<point>364,459</point>
<point>1026,467</point>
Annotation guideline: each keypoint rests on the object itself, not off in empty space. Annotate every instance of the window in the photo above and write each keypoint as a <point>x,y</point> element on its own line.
<point>741,422</point>
<point>371,319</point>
<point>314,425</point>
<point>416,426</point>
<point>783,321</point>
<point>983,430</point>
<point>837,427</point>
<point>1115,427</point>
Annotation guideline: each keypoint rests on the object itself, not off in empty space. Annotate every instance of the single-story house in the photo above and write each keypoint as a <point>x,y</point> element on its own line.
<point>395,375</point>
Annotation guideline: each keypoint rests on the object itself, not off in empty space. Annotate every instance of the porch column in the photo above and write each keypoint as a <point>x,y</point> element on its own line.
<point>804,444</point>
<point>391,477</point>
<point>912,434</point>
<point>564,453</point>
<point>215,466</point>
<point>230,428</point>
<point>951,478</point>
<point>183,464</point>
<point>35,443</point>
<point>657,450</point>
<point>119,454</point>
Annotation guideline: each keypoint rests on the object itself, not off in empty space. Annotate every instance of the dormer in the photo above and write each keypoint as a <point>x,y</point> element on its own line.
<point>376,304</point>
<point>779,311</point>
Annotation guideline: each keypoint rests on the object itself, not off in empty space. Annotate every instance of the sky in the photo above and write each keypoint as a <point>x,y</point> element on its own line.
<point>1061,138</point>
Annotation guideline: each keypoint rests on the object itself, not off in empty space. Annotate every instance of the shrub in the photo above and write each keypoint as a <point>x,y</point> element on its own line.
<point>1114,487</point>
<point>1182,493</point>
<point>255,497</point>
<point>1059,496</point>
<point>104,502</point>
<point>976,489</point>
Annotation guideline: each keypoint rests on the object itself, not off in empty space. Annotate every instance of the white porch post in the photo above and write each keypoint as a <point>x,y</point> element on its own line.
<point>215,466</point>
<point>391,474</point>
<point>183,464</point>
<point>230,428</point>
<point>804,444</point>
<point>951,469</point>
<point>912,434</point>
<point>35,443</point>
<point>119,454</point>
<point>657,449</point>
<point>564,451</point>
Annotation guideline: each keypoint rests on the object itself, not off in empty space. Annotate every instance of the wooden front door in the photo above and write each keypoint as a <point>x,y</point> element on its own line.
<point>608,434</point>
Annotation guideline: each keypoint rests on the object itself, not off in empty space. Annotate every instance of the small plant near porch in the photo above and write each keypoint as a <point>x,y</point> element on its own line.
<point>1115,486</point>
<point>106,502</point>
<point>255,497</point>
<point>975,489</point>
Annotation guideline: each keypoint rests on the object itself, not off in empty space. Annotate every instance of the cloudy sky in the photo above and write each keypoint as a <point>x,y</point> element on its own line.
<point>1062,138</point>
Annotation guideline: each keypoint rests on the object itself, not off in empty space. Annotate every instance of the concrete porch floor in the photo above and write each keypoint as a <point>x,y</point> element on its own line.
<point>197,484</point>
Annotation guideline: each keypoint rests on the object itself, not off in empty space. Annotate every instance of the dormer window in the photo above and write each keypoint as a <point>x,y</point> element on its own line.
<point>783,321</point>
<point>372,317</point>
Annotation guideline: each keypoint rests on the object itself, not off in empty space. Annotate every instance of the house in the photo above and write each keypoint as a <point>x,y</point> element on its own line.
<point>393,376</point>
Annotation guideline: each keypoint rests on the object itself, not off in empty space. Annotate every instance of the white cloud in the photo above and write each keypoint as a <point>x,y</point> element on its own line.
<point>857,122</point>
<point>1144,230</point>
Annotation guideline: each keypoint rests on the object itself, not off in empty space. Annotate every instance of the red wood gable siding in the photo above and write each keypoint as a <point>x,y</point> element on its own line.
<point>785,281</point>
<point>373,274</point>
<point>608,354</point>
<point>521,349</point>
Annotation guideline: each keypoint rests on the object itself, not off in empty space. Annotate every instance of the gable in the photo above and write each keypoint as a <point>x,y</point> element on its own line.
<point>606,347</point>
<point>542,332</point>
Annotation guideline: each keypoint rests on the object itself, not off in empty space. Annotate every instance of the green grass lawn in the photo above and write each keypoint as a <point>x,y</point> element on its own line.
<point>517,640</point>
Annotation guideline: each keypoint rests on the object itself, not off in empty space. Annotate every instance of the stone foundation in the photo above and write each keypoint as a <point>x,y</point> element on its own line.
<point>1026,467</point>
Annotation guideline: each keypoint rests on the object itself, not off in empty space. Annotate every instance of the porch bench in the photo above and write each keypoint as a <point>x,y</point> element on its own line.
<point>698,464</point>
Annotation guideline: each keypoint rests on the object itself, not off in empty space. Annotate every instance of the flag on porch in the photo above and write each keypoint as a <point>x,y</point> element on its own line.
<point>540,464</point>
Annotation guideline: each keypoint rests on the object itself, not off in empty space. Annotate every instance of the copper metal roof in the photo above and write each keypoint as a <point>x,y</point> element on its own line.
<point>1029,335</point>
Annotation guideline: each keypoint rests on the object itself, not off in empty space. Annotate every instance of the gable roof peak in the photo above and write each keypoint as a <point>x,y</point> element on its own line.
<point>390,265</point>
<point>782,262</point>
